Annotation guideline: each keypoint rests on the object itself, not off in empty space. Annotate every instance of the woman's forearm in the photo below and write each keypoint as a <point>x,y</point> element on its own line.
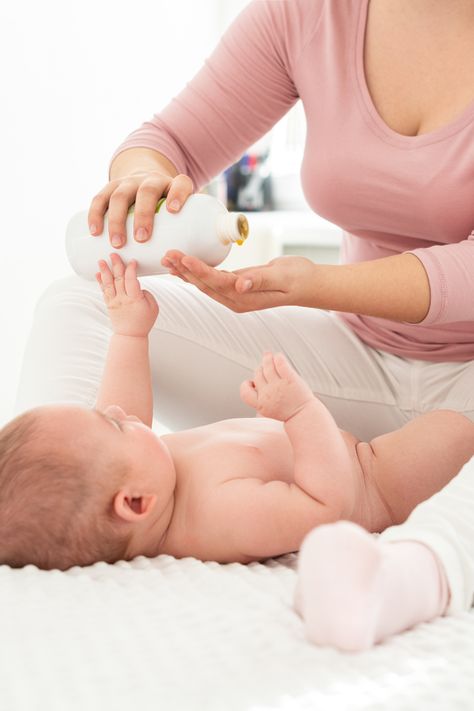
<point>134,160</point>
<point>395,288</point>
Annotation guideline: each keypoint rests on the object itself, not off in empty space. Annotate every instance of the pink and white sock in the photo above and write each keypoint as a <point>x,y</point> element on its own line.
<point>354,591</point>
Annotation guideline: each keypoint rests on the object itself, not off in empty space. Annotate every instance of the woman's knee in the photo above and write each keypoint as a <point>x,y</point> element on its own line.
<point>62,289</point>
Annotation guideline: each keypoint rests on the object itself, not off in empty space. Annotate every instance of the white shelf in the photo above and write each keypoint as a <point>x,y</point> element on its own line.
<point>275,232</point>
<point>296,227</point>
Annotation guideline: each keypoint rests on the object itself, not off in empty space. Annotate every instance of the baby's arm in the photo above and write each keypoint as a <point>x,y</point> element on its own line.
<point>324,467</point>
<point>262,519</point>
<point>126,380</point>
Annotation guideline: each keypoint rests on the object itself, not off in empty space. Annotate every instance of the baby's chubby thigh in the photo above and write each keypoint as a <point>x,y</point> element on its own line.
<point>414,462</point>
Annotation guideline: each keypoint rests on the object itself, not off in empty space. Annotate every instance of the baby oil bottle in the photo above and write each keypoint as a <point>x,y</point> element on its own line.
<point>202,228</point>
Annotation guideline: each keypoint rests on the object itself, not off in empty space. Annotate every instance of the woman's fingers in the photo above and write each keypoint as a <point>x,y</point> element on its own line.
<point>148,195</point>
<point>213,282</point>
<point>153,187</point>
<point>98,208</point>
<point>217,279</point>
<point>119,204</point>
<point>181,187</point>
<point>272,284</point>
<point>231,284</point>
<point>266,277</point>
<point>144,190</point>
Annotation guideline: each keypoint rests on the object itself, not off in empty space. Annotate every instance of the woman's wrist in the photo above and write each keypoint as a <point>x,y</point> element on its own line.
<point>140,160</point>
<point>395,288</point>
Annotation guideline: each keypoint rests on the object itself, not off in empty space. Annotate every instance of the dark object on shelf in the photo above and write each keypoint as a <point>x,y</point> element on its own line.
<point>249,184</point>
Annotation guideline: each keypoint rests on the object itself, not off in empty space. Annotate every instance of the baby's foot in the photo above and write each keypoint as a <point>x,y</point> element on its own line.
<point>354,591</point>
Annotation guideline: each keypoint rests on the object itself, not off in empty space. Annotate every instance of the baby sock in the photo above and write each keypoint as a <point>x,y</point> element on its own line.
<point>354,591</point>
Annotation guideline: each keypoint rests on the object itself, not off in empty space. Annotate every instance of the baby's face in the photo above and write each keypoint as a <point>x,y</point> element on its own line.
<point>114,435</point>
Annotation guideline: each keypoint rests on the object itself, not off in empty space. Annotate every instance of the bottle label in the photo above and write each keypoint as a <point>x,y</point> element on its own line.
<point>160,203</point>
<point>157,209</point>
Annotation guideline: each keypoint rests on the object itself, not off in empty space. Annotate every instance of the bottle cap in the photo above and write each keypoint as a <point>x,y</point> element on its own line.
<point>232,227</point>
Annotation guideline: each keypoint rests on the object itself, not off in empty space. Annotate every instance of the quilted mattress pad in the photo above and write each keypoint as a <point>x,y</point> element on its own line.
<point>185,635</point>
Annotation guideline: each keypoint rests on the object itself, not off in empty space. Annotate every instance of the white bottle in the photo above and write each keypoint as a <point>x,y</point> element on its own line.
<point>202,228</point>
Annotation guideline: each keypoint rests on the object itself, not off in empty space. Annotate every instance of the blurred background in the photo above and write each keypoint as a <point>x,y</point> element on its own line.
<point>76,79</point>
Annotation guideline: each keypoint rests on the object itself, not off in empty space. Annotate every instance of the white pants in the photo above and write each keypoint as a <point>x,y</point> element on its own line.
<point>200,352</point>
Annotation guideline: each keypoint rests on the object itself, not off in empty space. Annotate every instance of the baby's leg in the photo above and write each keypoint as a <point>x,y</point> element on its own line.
<point>412,463</point>
<point>354,590</point>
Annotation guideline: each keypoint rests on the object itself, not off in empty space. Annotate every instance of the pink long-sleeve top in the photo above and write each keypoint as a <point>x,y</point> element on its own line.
<point>388,192</point>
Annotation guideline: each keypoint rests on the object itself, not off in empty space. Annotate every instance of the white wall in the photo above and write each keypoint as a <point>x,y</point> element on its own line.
<point>76,78</point>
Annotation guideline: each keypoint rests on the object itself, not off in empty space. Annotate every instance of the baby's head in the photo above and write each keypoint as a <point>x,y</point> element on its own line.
<point>78,486</point>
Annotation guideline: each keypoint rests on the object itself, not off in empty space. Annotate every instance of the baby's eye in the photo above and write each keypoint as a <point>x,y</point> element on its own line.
<point>117,423</point>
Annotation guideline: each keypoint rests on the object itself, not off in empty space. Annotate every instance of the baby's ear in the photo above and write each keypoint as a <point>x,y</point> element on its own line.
<point>133,508</point>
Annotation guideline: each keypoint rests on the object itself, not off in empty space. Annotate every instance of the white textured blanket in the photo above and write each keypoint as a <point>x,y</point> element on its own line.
<point>185,635</point>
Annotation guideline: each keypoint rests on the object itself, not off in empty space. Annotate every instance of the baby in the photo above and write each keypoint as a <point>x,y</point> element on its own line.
<point>80,485</point>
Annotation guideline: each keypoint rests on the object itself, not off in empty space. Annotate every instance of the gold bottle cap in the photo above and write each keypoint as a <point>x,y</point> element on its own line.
<point>243,229</point>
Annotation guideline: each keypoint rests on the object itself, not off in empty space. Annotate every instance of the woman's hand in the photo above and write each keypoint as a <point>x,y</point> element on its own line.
<point>132,310</point>
<point>283,281</point>
<point>145,189</point>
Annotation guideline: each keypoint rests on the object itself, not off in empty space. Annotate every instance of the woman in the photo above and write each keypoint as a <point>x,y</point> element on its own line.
<point>389,100</point>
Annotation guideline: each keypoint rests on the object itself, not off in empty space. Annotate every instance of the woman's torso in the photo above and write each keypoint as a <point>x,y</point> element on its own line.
<point>389,150</point>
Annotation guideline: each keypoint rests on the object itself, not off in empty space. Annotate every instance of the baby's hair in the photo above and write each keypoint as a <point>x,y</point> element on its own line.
<point>52,512</point>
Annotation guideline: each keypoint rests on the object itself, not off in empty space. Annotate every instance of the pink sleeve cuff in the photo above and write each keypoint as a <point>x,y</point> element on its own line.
<point>450,270</point>
<point>158,138</point>
<point>438,286</point>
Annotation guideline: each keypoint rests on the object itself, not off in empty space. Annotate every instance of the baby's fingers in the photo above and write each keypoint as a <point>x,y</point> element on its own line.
<point>106,279</point>
<point>248,393</point>
<point>118,270</point>
<point>283,368</point>
<point>268,366</point>
<point>132,285</point>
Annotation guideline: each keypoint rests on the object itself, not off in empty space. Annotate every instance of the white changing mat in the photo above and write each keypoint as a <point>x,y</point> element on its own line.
<point>184,635</point>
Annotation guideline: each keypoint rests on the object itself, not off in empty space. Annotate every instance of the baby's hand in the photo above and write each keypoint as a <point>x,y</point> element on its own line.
<point>277,390</point>
<point>132,311</point>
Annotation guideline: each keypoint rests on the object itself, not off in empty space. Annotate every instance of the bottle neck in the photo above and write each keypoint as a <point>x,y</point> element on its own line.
<point>232,227</point>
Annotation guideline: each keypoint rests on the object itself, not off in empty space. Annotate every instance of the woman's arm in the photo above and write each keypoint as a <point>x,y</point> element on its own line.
<point>432,285</point>
<point>395,288</point>
<point>245,86</point>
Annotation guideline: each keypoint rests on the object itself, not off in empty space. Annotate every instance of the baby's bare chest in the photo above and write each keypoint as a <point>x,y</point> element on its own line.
<point>242,448</point>
<point>211,458</point>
